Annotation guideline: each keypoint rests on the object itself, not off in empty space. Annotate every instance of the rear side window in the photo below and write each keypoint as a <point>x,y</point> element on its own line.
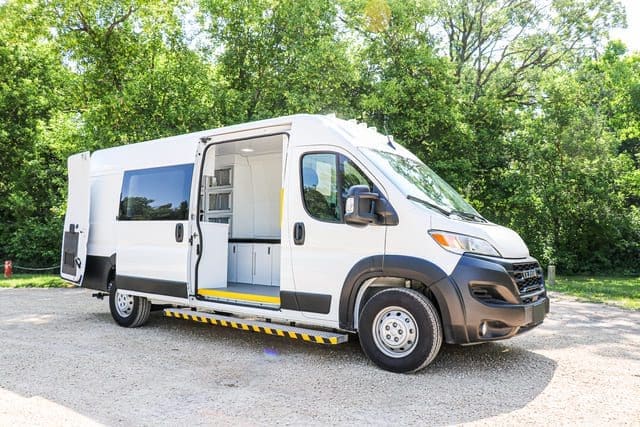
<point>156,194</point>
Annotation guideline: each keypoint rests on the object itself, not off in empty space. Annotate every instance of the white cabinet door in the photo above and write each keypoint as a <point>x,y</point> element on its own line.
<point>275,265</point>
<point>232,268</point>
<point>262,264</point>
<point>244,253</point>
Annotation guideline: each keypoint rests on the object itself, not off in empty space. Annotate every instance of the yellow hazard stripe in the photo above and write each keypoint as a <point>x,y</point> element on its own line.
<point>265,330</point>
<point>219,293</point>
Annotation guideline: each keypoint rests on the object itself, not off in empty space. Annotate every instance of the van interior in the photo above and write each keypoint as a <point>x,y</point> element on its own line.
<point>240,221</point>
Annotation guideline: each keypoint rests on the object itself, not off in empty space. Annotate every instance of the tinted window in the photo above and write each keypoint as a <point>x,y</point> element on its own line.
<point>156,194</point>
<point>326,179</point>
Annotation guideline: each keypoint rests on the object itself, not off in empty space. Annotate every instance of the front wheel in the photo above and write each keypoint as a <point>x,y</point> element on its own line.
<point>128,310</point>
<point>400,330</point>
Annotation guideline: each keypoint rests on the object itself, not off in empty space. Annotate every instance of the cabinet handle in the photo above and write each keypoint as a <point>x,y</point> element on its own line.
<point>254,263</point>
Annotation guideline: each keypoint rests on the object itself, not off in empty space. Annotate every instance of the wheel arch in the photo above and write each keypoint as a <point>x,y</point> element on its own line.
<point>372,272</point>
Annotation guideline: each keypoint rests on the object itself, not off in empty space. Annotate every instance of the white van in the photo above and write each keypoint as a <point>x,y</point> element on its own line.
<point>306,226</point>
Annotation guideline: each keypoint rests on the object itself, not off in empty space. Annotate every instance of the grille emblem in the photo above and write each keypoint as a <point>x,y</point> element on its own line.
<point>528,274</point>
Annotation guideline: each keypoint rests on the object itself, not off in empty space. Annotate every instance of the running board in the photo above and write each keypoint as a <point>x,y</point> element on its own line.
<point>311,335</point>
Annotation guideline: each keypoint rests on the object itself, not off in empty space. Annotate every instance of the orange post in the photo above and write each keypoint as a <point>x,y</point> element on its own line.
<point>8,269</point>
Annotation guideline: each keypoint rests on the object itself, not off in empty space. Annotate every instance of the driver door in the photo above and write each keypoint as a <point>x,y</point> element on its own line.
<point>323,247</point>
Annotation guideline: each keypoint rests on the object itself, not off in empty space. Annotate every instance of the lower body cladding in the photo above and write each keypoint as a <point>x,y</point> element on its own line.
<point>491,299</point>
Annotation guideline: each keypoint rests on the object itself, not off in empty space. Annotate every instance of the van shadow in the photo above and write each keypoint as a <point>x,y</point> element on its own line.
<point>463,384</point>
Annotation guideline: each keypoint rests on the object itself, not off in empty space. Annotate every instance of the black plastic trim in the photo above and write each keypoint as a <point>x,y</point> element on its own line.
<point>97,270</point>
<point>249,240</point>
<point>303,301</point>
<point>152,286</point>
<point>399,266</point>
<point>516,317</point>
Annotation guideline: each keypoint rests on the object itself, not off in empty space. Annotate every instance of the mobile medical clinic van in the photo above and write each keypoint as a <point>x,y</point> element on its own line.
<point>308,227</point>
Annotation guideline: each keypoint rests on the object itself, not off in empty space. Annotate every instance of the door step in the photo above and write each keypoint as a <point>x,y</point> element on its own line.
<point>311,335</point>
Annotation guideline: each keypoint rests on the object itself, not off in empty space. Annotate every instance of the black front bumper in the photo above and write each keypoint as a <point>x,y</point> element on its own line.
<point>494,301</point>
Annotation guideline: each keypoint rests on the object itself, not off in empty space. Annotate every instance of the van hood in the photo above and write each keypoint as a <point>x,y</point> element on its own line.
<point>505,240</point>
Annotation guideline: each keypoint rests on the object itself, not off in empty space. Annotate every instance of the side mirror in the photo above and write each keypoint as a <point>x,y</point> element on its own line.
<point>364,207</point>
<point>359,207</point>
<point>385,214</point>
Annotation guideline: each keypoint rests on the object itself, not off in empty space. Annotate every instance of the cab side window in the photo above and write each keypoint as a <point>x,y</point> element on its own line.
<point>319,189</point>
<point>326,179</point>
<point>351,176</point>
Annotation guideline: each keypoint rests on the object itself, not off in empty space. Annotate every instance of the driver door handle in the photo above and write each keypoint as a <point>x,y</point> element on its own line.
<point>298,233</point>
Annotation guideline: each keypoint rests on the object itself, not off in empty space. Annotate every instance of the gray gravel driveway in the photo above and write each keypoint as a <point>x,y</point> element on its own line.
<point>63,361</point>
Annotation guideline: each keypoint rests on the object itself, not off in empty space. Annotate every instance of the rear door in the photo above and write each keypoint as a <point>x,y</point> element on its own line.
<point>76,220</point>
<point>152,252</point>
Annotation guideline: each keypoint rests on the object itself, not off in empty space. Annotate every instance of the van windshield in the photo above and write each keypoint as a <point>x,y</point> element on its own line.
<point>419,183</point>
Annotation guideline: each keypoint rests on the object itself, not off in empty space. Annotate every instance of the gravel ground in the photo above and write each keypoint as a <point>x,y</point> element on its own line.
<point>63,361</point>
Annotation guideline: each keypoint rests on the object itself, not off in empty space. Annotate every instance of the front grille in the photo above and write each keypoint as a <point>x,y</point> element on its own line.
<point>529,279</point>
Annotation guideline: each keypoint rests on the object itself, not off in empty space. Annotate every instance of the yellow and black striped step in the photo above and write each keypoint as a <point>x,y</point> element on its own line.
<point>311,335</point>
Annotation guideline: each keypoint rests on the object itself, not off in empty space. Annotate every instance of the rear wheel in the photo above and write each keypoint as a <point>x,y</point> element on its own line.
<point>128,310</point>
<point>400,330</point>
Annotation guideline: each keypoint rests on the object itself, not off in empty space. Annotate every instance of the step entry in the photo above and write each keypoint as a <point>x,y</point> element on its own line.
<point>259,295</point>
<point>311,335</point>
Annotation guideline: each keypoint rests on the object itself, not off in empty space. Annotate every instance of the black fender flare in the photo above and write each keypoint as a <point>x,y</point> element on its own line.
<point>97,271</point>
<point>433,277</point>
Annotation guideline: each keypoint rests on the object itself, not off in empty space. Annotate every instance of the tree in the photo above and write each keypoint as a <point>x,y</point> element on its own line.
<point>279,57</point>
<point>497,45</point>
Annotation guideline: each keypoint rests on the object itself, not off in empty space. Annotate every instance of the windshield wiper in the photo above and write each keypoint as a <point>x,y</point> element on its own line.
<point>429,204</point>
<point>463,214</point>
<point>468,215</point>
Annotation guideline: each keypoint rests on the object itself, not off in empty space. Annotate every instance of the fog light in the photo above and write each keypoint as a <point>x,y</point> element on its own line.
<point>483,329</point>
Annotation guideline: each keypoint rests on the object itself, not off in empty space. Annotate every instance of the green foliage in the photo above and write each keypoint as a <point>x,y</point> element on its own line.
<point>279,58</point>
<point>33,281</point>
<point>622,291</point>
<point>519,105</point>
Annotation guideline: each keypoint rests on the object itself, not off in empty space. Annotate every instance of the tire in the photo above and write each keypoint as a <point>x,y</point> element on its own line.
<point>400,330</point>
<point>128,310</point>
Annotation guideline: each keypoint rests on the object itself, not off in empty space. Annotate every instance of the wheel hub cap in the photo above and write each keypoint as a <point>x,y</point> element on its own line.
<point>395,332</point>
<point>124,304</point>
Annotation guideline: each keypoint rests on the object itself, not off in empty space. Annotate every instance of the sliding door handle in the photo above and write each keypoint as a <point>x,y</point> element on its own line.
<point>179,232</point>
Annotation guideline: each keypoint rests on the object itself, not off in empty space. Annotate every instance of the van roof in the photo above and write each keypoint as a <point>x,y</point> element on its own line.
<point>181,149</point>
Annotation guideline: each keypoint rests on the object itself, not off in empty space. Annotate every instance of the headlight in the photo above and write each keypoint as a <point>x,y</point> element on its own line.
<point>461,243</point>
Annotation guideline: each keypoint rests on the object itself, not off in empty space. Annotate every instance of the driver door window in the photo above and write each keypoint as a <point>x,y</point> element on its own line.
<point>326,179</point>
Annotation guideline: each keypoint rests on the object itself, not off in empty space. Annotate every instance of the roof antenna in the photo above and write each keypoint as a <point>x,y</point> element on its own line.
<point>389,137</point>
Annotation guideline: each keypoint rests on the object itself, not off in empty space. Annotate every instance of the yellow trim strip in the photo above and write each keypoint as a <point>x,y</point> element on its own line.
<point>219,293</point>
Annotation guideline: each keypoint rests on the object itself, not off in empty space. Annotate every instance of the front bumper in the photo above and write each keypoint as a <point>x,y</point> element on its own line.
<point>495,302</point>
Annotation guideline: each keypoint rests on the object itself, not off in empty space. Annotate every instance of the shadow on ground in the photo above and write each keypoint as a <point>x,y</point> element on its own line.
<point>176,371</point>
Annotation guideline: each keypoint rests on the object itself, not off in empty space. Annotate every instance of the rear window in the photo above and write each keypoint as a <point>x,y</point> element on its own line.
<point>156,194</point>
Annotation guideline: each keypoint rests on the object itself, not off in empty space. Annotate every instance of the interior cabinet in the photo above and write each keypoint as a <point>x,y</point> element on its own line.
<point>245,263</point>
<point>232,265</point>
<point>261,264</point>
<point>254,263</point>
